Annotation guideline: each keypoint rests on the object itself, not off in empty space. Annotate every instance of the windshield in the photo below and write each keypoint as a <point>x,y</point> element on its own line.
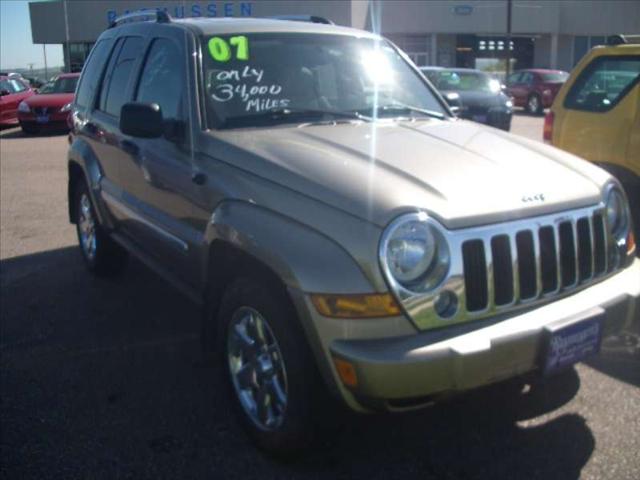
<point>463,81</point>
<point>555,77</point>
<point>61,85</point>
<point>248,76</point>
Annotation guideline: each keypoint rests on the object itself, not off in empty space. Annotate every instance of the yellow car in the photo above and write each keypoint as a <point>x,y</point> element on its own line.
<point>596,114</point>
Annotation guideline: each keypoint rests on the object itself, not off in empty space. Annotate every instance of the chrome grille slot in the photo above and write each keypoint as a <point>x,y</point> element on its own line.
<point>599,245</point>
<point>585,256</point>
<point>475,280</point>
<point>502,269</point>
<point>548,259</point>
<point>567,254</point>
<point>526,264</point>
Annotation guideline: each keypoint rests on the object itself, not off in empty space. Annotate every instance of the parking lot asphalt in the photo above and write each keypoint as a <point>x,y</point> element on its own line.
<point>104,379</point>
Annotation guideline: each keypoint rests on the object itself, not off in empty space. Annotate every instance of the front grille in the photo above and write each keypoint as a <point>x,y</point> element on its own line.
<point>40,110</point>
<point>525,262</point>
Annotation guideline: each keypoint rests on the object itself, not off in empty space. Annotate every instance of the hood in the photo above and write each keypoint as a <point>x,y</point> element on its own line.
<point>460,172</point>
<point>480,99</point>
<point>50,100</point>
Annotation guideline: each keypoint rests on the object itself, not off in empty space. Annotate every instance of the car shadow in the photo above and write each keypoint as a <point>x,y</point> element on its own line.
<point>105,379</point>
<point>13,132</point>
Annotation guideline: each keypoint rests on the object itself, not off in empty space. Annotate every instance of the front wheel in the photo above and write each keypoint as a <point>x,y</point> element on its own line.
<point>273,381</point>
<point>102,255</point>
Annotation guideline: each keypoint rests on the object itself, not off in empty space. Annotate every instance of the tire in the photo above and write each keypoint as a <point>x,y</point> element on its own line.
<point>534,104</point>
<point>29,129</point>
<point>289,423</point>
<point>102,255</point>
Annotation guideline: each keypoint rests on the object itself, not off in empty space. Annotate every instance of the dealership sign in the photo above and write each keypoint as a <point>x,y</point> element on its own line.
<point>212,9</point>
<point>463,9</point>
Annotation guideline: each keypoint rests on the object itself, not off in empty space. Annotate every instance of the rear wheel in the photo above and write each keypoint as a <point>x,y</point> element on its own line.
<point>102,255</point>
<point>534,104</point>
<point>274,385</point>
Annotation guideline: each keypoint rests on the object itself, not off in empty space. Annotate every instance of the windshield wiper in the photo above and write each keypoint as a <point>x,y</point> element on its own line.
<point>408,109</point>
<point>278,114</point>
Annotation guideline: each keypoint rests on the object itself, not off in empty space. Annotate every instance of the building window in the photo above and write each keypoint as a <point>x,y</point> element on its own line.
<point>582,44</point>
<point>415,46</point>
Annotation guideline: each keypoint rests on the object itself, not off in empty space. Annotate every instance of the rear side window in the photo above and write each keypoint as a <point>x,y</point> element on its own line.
<point>114,87</point>
<point>604,83</point>
<point>163,78</point>
<point>92,73</point>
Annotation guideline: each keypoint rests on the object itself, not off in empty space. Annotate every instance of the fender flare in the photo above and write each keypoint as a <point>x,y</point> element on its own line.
<point>81,156</point>
<point>303,258</point>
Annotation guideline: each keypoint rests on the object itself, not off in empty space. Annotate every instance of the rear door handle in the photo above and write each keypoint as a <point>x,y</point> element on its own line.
<point>130,147</point>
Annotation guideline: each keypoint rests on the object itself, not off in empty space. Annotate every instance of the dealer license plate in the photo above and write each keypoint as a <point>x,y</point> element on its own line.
<point>572,344</point>
<point>42,118</point>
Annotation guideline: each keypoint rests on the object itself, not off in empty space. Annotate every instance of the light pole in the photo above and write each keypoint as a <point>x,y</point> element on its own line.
<point>44,53</point>
<point>508,68</point>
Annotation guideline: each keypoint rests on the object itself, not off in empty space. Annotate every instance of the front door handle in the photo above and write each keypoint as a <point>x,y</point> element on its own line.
<point>130,147</point>
<point>198,178</point>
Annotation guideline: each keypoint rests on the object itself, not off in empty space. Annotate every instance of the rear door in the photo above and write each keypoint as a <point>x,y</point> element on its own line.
<point>516,89</point>
<point>600,110</point>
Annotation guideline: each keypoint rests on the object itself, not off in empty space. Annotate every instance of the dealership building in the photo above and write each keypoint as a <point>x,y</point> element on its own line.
<point>471,33</point>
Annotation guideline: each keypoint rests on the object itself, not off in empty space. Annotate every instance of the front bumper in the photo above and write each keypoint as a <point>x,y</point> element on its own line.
<point>394,371</point>
<point>53,120</point>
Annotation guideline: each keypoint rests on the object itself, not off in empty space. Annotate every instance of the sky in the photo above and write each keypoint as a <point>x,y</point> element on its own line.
<point>16,47</point>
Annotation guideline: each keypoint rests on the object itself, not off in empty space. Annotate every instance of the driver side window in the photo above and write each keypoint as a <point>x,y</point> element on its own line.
<point>162,78</point>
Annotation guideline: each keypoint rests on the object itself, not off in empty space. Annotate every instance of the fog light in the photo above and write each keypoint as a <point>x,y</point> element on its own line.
<point>347,372</point>
<point>446,304</point>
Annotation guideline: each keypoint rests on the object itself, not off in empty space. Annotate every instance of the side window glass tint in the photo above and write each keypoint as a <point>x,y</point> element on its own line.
<point>17,85</point>
<point>163,78</point>
<point>92,73</point>
<point>604,83</point>
<point>514,78</point>
<point>114,89</point>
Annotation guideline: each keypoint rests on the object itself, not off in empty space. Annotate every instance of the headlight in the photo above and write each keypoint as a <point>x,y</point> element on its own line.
<point>617,214</point>
<point>23,107</point>
<point>66,108</point>
<point>546,93</point>
<point>508,104</point>
<point>414,253</point>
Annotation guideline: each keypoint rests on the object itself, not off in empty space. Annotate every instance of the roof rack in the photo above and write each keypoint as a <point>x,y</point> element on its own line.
<point>614,40</point>
<point>160,17</point>
<point>303,18</point>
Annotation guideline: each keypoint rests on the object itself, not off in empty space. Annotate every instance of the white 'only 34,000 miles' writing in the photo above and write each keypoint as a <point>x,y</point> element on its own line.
<point>246,84</point>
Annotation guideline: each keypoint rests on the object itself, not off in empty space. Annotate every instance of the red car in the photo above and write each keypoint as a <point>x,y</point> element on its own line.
<point>12,92</point>
<point>535,89</point>
<point>50,107</point>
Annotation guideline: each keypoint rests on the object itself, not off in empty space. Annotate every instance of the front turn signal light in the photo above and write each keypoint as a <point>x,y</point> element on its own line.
<point>356,306</point>
<point>631,242</point>
<point>347,372</point>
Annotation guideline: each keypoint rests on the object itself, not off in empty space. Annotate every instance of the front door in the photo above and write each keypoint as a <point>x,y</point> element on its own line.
<point>157,174</point>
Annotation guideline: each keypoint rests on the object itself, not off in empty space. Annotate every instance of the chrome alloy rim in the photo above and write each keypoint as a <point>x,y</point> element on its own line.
<point>257,368</point>
<point>533,104</point>
<point>87,228</point>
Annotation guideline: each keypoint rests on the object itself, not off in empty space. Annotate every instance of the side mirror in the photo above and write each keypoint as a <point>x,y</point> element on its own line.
<point>454,102</point>
<point>4,92</point>
<point>142,120</point>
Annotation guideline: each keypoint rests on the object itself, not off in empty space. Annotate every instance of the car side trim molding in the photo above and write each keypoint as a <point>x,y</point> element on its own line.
<point>113,202</point>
